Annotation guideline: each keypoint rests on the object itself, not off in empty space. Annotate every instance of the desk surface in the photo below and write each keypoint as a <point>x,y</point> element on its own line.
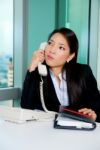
<point>42,136</point>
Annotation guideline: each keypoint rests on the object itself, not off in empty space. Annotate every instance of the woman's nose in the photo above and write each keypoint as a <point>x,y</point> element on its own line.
<point>53,49</point>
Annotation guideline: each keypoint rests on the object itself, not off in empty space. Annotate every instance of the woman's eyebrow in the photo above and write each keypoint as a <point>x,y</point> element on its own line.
<point>51,40</point>
<point>61,44</point>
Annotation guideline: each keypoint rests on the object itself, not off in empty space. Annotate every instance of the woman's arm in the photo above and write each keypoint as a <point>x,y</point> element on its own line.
<point>26,90</point>
<point>30,86</point>
<point>92,96</point>
<point>87,99</point>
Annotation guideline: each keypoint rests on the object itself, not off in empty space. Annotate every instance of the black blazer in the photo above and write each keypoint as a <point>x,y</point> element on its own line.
<point>81,85</point>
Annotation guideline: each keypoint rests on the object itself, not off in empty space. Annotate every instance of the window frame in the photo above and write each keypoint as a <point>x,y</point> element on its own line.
<point>93,45</point>
<point>98,56</point>
<point>19,50</point>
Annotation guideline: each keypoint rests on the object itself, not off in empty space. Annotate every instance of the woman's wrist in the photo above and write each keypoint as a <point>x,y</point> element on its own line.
<point>32,67</point>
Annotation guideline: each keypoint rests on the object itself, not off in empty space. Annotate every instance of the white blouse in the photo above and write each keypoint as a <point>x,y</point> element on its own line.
<point>61,89</point>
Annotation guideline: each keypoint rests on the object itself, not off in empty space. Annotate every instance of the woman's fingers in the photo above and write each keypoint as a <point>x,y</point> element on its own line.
<point>38,56</point>
<point>89,112</point>
<point>41,56</point>
<point>85,110</point>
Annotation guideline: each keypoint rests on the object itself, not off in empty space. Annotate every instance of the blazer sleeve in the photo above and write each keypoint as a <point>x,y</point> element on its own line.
<point>89,95</point>
<point>30,91</point>
<point>92,93</point>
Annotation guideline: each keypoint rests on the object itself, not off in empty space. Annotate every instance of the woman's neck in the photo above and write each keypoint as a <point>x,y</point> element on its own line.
<point>56,70</point>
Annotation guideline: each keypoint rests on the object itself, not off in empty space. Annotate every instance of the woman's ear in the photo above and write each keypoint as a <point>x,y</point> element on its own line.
<point>71,56</point>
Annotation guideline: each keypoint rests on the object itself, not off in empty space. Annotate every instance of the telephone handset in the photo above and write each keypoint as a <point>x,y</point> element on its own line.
<point>43,72</point>
<point>42,68</point>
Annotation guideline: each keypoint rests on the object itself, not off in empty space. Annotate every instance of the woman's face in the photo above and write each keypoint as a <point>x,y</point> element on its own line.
<point>57,51</point>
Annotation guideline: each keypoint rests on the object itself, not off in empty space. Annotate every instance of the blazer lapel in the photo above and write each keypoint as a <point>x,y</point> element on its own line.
<point>51,99</point>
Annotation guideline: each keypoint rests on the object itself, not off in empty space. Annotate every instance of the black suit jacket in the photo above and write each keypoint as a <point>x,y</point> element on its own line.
<point>81,85</point>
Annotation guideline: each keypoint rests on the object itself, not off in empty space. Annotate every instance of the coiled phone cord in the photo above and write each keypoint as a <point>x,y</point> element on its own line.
<point>42,97</point>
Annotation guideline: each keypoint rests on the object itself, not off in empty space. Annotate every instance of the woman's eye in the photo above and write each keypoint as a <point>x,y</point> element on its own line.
<point>49,42</point>
<point>61,48</point>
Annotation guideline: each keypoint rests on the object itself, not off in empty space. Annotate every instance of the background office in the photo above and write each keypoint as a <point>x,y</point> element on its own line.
<point>24,24</point>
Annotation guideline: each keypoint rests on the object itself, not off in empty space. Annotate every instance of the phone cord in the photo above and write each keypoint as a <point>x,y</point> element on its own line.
<point>42,97</point>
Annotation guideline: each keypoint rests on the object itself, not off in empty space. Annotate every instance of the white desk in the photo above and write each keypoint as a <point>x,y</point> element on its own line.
<point>42,136</point>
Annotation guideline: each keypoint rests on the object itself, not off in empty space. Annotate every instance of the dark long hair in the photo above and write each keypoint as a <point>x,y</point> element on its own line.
<point>71,69</point>
<point>71,38</point>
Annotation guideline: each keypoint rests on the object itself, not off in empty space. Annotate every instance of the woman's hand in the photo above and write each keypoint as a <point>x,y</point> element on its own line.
<point>38,56</point>
<point>89,112</point>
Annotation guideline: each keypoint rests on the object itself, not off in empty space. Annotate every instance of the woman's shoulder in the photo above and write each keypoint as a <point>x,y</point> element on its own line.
<point>83,67</point>
<point>80,70</point>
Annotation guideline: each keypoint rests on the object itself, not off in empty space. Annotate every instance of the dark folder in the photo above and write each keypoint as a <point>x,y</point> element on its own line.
<point>70,119</point>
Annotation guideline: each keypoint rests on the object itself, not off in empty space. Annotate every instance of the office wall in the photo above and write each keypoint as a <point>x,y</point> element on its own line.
<point>79,21</point>
<point>76,16</point>
<point>41,21</point>
<point>44,16</point>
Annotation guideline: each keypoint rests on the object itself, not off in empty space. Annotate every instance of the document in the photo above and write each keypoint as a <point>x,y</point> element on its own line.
<point>65,121</point>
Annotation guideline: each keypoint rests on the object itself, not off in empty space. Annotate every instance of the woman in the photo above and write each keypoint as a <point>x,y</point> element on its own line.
<point>68,83</point>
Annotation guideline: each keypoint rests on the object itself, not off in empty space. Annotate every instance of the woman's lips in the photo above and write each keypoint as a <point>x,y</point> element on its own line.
<point>50,57</point>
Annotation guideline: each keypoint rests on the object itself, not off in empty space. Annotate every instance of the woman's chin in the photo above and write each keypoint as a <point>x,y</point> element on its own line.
<point>49,63</point>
